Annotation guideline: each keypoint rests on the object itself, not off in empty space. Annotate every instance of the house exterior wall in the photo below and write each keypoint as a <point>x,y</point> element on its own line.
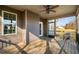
<point>15,38</point>
<point>32,26</point>
<point>27,26</point>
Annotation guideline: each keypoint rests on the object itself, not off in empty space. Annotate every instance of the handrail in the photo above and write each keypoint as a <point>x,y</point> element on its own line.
<point>19,48</point>
<point>7,42</point>
<point>48,51</point>
<point>65,39</point>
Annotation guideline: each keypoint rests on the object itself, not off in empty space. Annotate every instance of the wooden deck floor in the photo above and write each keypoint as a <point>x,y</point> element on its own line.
<point>57,46</point>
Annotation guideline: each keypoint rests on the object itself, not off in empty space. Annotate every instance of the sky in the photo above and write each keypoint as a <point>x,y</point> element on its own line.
<point>64,21</point>
<point>9,22</point>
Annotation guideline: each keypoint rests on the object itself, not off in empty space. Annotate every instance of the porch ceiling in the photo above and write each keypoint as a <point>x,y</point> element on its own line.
<point>61,11</point>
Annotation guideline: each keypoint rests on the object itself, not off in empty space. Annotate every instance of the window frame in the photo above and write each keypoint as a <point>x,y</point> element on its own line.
<point>3,23</point>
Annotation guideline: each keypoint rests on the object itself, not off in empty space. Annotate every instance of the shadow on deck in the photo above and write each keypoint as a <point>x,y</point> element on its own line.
<point>60,46</point>
<point>54,46</point>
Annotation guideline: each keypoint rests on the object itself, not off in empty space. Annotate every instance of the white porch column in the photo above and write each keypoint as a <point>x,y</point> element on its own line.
<point>77,28</point>
<point>26,29</point>
<point>78,21</point>
<point>24,32</point>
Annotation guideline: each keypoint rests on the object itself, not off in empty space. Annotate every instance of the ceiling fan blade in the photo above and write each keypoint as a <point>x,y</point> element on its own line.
<point>45,6</point>
<point>54,6</point>
<point>52,10</point>
<point>42,10</point>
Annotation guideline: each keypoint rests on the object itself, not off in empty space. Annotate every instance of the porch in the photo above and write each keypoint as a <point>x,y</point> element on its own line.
<point>32,31</point>
<point>51,46</point>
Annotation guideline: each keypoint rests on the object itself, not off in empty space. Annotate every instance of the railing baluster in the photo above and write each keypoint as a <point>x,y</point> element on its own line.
<point>9,42</point>
<point>6,44</point>
<point>2,45</point>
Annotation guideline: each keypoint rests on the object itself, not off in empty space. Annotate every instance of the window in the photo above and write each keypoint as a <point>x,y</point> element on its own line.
<point>51,27</point>
<point>9,22</point>
<point>40,28</point>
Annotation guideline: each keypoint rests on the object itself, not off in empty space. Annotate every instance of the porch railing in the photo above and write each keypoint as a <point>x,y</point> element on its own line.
<point>8,43</point>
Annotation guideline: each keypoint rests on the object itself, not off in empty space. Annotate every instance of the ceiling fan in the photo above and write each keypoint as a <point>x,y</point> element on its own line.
<point>49,8</point>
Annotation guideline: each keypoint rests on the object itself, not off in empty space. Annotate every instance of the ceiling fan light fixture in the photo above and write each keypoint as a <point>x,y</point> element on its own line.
<point>49,8</point>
